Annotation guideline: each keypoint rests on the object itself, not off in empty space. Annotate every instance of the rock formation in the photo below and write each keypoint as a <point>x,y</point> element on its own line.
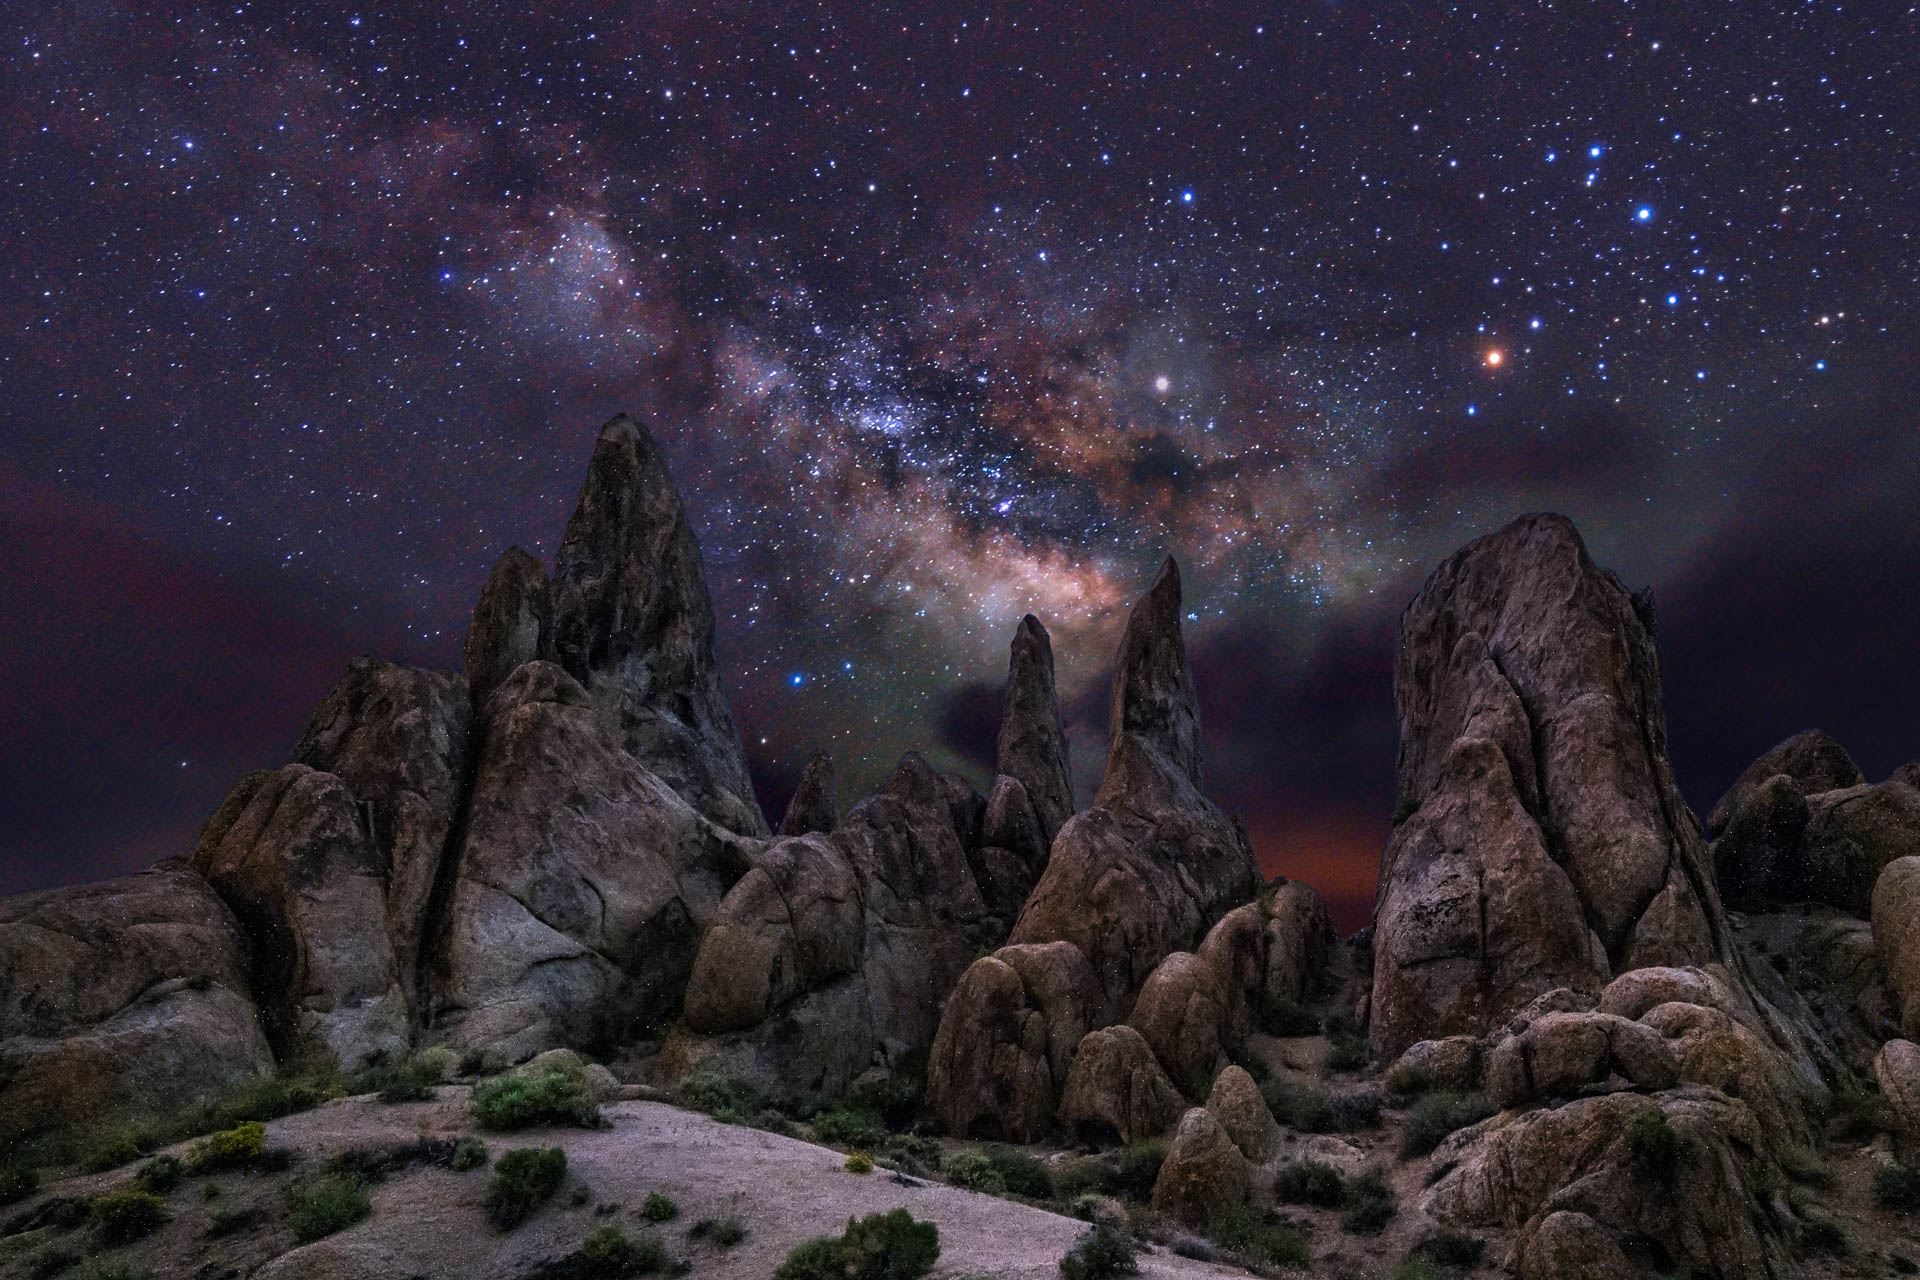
<point>1033,746</point>
<point>812,809</point>
<point>512,623</point>
<point>632,622</point>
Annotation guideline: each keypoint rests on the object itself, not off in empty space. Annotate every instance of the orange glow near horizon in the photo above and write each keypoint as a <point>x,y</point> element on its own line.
<point>1339,855</point>
<point>1495,358</point>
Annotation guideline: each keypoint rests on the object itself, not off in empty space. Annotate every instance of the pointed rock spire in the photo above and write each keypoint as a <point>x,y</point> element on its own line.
<point>1153,697</point>
<point>1033,746</point>
<point>813,807</point>
<point>512,624</point>
<point>634,624</point>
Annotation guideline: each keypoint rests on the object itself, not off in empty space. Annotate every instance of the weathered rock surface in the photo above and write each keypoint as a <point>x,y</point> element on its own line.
<point>1117,1090</point>
<point>512,622</point>
<point>399,737</point>
<point>1452,1063</point>
<point>1543,841</point>
<point>1896,929</point>
<point>1033,745</point>
<point>290,852</point>
<point>1853,834</point>
<point>581,884</point>
<point>1182,1015</point>
<point>1561,1054</point>
<point>1203,1173</point>
<point>1566,1245</point>
<point>121,1001</point>
<point>1236,1103</point>
<point>1810,761</point>
<point>634,625</point>
<point>1153,864</point>
<point>1007,1041</point>
<point>813,808</point>
<point>1908,773</point>
<point>1897,1071</point>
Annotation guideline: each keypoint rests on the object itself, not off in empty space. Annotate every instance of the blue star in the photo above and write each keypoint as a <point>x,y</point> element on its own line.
<point>1644,213</point>
<point>797,679</point>
<point>1186,197</point>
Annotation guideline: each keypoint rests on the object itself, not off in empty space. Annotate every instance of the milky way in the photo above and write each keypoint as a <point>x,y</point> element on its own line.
<point>945,319</point>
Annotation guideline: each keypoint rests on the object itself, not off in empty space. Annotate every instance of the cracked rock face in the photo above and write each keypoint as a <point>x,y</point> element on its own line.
<point>1033,745</point>
<point>1541,839</point>
<point>512,623</point>
<point>632,622</point>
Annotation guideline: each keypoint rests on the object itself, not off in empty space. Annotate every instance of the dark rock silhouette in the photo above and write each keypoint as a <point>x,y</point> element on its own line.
<point>512,623</point>
<point>1033,746</point>
<point>812,808</point>
<point>1811,762</point>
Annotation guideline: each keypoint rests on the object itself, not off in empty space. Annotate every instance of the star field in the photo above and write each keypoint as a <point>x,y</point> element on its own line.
<point>943,317</point>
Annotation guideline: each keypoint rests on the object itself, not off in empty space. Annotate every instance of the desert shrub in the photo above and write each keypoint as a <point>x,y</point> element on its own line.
<point>300,1085</point>
<point>1309,1182</point>
<point>1437,1115</point>
<point>974,1171</point>
<point>1417,1269</point>
<point>121,1217</point>
<point>407,1078</point>
<point>1820,1231</point>
<point>116,1147</point>
<point>1299,1105</point>
<point>1896,1187</point>
<point>52,1261</point>
<point>880,1246</point>
<point>1131,1172</point>
<point>520,1099</point>
<point>1653,1145</point>
<point>1100,1253</point>
<point>234,1148</point>
<point>227,1222</point>
<point>523,1180</point>
<point>725,1232</point>
<point>899,1098</point>
<point>659,1208</point>
<point>610,1252</point>
<point>1804,1167</point>
<point>1020,1173</point>
<point>17,1181</point>
<point>322,1205</point>
<point>850,1126</point>
<point>859,1162</point>
<point>1258,1237</point>
<point>468,1153</point>
<point>1404,1080</point>
<point>1355,1109</point>
<point>1287,1018</point>
<point>912,1153</point>
<point>1348,1052</point>
<point>725,1099</point>
<point>158,1175</point>
<point>1254,1065</point>
<point>1369,1205</point>
<point>1451,1249</point>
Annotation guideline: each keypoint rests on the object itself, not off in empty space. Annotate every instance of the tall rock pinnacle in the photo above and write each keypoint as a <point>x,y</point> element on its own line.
<point>512,623</point>
<point>1033,746</point>
<point>1154,706</point>
<point>634,624</point>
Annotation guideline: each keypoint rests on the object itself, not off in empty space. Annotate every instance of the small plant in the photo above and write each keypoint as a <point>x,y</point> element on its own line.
<point>913,1154</point>
<point>880,1246</point>
<point>727,1100</point>
<point>1804,1167</point>
<point>554,1094</point>
<point>607,1251</point>
<point>1100,1253</point>
<point>1653,1145</point>
<point>1285,1018</point>
<point>1897,1187</point>
<point>1369,1206</point>
<point>1437,1115</point>
<point>322,1205</point>
<point>234,1148</point>
<point>226,1222</point>
<point>1404,1081</point>
<point>1254,1065</point>
<point>159,1175</point>
<point>725,1232</point>
<point>409,1078</point>
<point>1348,1052</point>
<point>974,1171</point>
<point>1820,1231</point>
<point>17,1182</point>
<point>1309,1182</point>
<point>899,1098</point>
<point>859,1162</point>
<point>1417,1269</point>
<point>849,1126</point>
<point>1857,1115</point>
<point>1299,1106</point>
<point>1451,1249</point>
<point>659,1208</point>
<point>1259,1237</point>
<point>1132,1173</point>
<point>300,1085</point>
<point>1354,1110</point>
<point>121,1217</point>
<point>468,1153</point>
<point>523,1180</point>
<point>1020,1173</point>
<point>116,1147</point>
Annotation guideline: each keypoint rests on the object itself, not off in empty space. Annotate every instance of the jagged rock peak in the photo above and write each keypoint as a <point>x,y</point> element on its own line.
<point>632,622</point>
<point>813,808</point>
<point>1033,746</point>
<point>512,623</point>
<point>1153,696</point>
<point>1812,759</point>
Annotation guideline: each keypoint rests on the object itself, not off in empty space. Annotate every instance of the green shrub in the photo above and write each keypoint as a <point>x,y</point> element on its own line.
<point>880,1246</point>
<point>1437,1115</point>
<point>1131,1173</point>
<point>607,1251</point>
<point>1653,1145</point>
<point>1100,1253</point>
<point>1897,1187</point>
<point>1369,1206</point>
<point>1804,1167</point>
<point>116,1147</point>
<point>1299,1105</point>
<point>322,1205</point>
<point>1256,1066</point>
<point>725,1232</point>
<point>974,1171</point>
<point>1258,1237</point>
<point>520,1099</point>
<point>1348,1053</point>
<point>300,1085</point>
<point>850,1126</point>
<point>1285,1018</point>
<point>859,1162</point>
<point>1452,1249</point>
<point>408,1078</point>
<point>52,1261</point>
<point>468,1153</point>
<point>1857,1115</point>
<point>234,1148</point>
<point>159,1175</point>
<point>226,1222</point>
<point>659,1208</point>
<point>1309,1182</point>
<point>725,1099</point>
<point>899,1099</point>
<point>1020,1173</point>
<point>1405,1080</point>
<point>912,1153</point>
<point>523,1180</point>
<point>17,1182</point>
<point>1417,1269</point>
<point>1354,1110</point>
<point>121,1217</point>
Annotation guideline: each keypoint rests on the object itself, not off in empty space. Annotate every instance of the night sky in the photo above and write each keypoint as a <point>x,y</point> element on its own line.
<point>311,311</point>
